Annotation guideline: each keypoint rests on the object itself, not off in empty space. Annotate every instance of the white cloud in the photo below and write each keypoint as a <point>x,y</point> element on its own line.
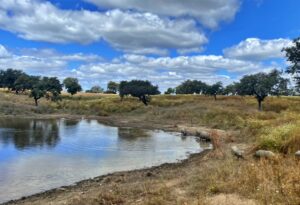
<point>46,62</point>
<point>167,71</point>
<point>3,52</point>
<point>54,55</point>
<point>163,71</point>
<point>209,12</point>
<point>128,31</point>
<point>257,49</point>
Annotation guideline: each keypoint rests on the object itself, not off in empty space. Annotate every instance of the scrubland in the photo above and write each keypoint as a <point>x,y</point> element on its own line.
<point>215,177</point>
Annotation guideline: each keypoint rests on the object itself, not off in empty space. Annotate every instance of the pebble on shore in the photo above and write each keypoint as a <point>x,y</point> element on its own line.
<point>237,152</point>
<point>297,154</point>
<point>264,154</point>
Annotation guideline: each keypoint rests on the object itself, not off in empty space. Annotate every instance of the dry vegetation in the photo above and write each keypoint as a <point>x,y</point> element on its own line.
<point>200,180</point>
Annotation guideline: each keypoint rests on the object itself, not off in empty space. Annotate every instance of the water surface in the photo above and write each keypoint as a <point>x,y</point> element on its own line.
<point>37,155</point>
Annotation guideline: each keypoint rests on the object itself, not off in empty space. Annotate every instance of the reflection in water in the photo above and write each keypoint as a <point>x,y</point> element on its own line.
<point>37,155</point>
<point>128,133</point>
<point>70,123</point>
<point>29,133</point>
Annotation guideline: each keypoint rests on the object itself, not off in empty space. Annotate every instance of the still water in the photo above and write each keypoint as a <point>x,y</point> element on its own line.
<point>37,155</point>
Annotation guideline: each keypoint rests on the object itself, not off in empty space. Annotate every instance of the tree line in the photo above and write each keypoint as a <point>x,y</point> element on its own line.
<point>259,85</point>
<point>49,87</point>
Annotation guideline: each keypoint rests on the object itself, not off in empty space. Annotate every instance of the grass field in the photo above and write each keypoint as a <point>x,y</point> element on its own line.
<point>277,128</point>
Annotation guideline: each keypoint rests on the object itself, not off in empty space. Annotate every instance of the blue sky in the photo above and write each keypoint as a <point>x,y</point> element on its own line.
<point>165,42</point>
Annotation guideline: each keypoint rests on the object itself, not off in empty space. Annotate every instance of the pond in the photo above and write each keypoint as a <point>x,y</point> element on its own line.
<point>38,155</point>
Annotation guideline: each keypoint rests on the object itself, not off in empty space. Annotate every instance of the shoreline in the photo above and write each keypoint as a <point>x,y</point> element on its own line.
<point>110,121</point>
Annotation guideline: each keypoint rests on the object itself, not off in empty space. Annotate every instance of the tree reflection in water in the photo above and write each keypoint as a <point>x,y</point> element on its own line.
<point>128,133</point>
<point>27,133</point>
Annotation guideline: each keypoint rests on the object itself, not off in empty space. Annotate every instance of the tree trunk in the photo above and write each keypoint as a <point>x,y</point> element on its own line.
<point>215,96</point>
<point>259,105</point>
<point>144,100</point>
<point>36,101</point>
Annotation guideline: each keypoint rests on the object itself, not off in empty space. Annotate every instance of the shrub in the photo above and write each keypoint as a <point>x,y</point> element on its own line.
<point>284,138</point>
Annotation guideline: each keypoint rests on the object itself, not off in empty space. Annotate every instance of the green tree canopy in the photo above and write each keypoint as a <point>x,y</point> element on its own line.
<point>260,85</point>
<point>25,82</point>
<point>231,89</point>
<point>52,86</point>
<point>214,89</point>
<point>41,87</point>
<point>8,78</point>
<point>95,89</point>
<point>112,87</point>
<point>72,85</point>
<point>170,91</point>
<point>138,88</point>
<point>191,87</point>
<point>38,90</point>
<point>293,56</point>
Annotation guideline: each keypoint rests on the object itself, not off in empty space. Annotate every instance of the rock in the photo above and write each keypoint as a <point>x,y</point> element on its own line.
<point>237,152</point>
<point>149,174</point>
<point>264,154</point>
<point>297,154</point>
<point>184,133</point>
<point>203,135</point>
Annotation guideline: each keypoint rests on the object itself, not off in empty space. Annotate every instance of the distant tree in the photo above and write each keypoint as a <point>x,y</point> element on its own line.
<point>191,87</point>
<point>24,82</point>
<point>138,88</point>
<point>170,91</point>
<point>260,85</point>
<point>8,78</point>
<point>38,90</point>
<point>230,89</point>
<point>53,86</point>
<point>72,85</point>
<point>112,87</point>
<point>293,56</point>
<point>214,89</point>
<point>282,86</point>
<point>95,89</point>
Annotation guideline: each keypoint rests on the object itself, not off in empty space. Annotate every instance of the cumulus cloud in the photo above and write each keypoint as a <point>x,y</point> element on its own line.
<point>209,12</point>
<point>257,49</point>
<point>167,71</point>
<point>129,31</point>
<point>3,52</point>
<point>54,55</point>
<point>163,71</point>
<point>46,62</point>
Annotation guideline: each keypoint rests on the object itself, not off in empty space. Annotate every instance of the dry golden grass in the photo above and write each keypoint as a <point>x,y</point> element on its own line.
<point>267,181</point>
